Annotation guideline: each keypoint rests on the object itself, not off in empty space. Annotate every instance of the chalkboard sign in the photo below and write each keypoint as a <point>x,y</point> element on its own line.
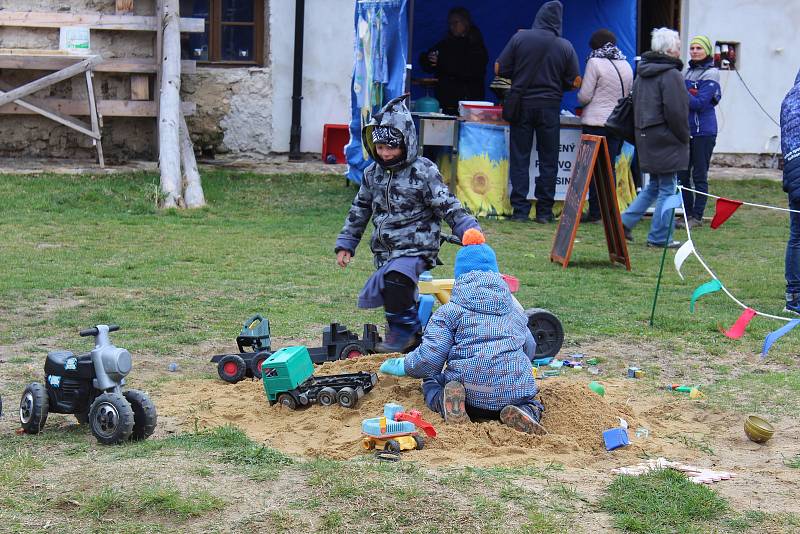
<point>592,160</point>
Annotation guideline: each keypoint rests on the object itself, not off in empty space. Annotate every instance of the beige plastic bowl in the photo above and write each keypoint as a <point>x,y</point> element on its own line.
<point>758,429</point>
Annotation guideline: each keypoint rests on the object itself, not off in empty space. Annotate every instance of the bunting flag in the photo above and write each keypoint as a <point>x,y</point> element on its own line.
<point>772,337</point>
<point>737,330</point>
<point>708,287</point>
<point>681,255</point>
<point>725,208</point>
<point>670,203</point>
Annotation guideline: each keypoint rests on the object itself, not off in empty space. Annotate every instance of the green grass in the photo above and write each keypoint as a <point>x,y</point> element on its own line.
<point>794,463</point>
<point>662,502</point>
<point>776,393</point>
<point>156,499</point>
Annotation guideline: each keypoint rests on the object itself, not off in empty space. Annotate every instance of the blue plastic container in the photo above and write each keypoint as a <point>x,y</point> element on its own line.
<point>616,438</point>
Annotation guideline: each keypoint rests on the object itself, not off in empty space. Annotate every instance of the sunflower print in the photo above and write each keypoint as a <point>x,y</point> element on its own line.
<point>483,186</point>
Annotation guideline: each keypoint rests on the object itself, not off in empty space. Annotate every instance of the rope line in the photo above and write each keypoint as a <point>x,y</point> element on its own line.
<point>745,203</point>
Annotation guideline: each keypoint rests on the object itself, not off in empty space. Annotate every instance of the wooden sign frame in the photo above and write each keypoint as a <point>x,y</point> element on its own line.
<point>592,161</point>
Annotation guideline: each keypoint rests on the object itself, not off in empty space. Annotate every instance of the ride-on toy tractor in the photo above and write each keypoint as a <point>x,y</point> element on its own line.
<point>396,431</point>
<point>90,387</point>
<point>289,381</point>
<point>247,363</point>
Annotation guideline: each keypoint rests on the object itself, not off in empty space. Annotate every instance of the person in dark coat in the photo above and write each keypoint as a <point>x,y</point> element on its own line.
<point>790,148</point>
<point>459,62</point>
<point>541,65</point>
<point>702,83</point>
<point>660,109</point>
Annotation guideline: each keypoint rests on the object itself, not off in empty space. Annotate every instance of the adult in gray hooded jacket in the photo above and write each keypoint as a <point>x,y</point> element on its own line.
<point>660,108</point>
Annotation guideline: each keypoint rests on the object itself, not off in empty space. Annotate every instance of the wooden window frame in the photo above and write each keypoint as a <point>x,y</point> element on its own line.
<point>215,25</point>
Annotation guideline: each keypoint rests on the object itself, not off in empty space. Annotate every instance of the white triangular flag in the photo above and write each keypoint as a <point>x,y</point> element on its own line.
<point>681,255</point>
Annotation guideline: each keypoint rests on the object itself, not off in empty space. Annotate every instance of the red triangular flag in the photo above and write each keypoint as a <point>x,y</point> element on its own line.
<point>725,208</point>
<point>737,330</point>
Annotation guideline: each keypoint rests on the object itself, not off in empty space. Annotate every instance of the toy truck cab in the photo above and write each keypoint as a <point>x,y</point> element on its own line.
<point>283,372</point>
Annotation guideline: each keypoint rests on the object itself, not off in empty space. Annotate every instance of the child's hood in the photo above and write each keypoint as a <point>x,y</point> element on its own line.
<point>483,292</point>
<point>394,114</point>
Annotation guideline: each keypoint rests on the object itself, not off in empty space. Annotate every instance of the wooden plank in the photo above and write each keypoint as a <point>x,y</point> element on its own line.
<point>50,79</point>
<point>95,21</point>
<point>124,6</point>
<point>51,114</point>
<point>140,87</point>
<point>134,65</point>
<point>106,108</point>
<point>94,118</point>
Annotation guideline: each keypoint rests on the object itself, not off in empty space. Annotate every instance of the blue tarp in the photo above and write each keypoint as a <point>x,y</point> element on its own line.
<point>498,21</point>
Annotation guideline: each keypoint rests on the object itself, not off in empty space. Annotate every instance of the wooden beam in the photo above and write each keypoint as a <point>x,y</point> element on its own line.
<point>134,65</point>
<point>140,87</point>
<point>50,113</point>
<point>124,6</point>
<point>50,79</point>
<point>106,108</point>
<point>169,146</point>
<point>95,21</point>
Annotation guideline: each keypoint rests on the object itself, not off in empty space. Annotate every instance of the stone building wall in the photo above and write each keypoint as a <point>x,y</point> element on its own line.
<point>234,108</point>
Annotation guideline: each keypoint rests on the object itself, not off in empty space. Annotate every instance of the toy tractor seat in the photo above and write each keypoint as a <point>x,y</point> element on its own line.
<point>254,335</point>
<point>59,357</point>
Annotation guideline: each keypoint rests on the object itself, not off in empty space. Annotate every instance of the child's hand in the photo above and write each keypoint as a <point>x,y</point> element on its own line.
<point>343,258</point>
<point>394,366</point>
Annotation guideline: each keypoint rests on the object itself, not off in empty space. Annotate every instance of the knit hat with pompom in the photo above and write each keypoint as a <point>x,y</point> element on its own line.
<point>475,255</point>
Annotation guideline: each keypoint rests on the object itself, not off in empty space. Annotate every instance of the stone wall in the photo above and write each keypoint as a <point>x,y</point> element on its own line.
<point>234,107</point>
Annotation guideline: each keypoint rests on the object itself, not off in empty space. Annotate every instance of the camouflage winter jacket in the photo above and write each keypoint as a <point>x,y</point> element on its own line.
<point>406,201</point>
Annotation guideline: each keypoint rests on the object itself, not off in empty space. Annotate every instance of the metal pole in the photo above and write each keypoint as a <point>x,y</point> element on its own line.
<point>297,83</point>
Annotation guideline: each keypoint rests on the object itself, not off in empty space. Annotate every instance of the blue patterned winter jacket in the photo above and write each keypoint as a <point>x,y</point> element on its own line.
<point>702,82</point>
<point>790,140</point>
<point>478,339</point>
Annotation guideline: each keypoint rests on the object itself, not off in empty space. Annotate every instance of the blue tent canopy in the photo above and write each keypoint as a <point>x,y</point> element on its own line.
<point>498,21</point>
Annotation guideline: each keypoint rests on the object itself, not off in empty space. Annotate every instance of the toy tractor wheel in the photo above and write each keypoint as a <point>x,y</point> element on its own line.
<point>347,397</point>
<point>392,445</point>
<point>144,414</point>
<point>420,442</point>
<point>256,363</point>
<point>546,330</point>
<point>111,419</point>
<point>326,396</point>
<point>33,408</point>
<point>231,368</point>
<point>351,351</point>
<point>287,400</point>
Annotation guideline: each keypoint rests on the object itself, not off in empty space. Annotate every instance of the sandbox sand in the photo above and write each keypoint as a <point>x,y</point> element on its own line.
<point>575,418</point>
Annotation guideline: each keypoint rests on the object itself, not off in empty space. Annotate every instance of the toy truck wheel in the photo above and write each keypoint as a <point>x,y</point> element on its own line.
<point>546,330</point>
<point>420,442</point>
<point>350,351</point>
<point>144,414</point>
<point>33,408</point>
<point>111,419</point>
<point>231,368</point>
<point>347,397</point>
<point>255,364</point>
<point>287,400</point>
<point>326,396</point>
<point>392,445</point>
<point>367,444</point>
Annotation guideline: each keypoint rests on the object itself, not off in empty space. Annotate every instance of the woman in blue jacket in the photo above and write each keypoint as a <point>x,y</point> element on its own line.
<point>702,82</point>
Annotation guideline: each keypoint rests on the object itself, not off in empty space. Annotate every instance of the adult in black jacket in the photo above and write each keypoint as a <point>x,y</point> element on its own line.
<point>541,65</point>
<point>459,62</point>
<point>660,108</point>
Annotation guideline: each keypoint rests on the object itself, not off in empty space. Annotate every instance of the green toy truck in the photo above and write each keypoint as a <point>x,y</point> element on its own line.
<point>289,380</point>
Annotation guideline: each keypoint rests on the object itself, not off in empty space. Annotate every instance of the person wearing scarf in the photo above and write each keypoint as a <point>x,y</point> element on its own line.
<point>702,83</point>
<point>608,77</point>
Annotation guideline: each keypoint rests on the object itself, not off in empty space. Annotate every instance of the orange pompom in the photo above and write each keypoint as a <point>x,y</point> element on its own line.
<point>473,237</point>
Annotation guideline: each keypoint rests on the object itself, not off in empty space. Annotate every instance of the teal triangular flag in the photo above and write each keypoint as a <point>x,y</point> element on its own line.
<point>708,287</point>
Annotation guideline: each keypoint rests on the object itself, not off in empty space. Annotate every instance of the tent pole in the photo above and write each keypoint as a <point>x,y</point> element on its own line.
<point>409,60</point>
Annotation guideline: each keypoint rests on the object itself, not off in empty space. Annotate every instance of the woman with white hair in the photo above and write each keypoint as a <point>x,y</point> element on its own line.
<point>660,111</point>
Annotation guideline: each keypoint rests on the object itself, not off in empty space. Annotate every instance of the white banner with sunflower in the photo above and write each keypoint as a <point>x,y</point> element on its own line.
<point>482,171</point>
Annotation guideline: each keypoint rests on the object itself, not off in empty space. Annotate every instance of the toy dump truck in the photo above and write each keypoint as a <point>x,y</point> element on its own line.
<point>289,380</point>
<point>396,431</point>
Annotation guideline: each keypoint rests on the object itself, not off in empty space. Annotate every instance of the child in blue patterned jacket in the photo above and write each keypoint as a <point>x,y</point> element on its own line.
<point>475,356</point>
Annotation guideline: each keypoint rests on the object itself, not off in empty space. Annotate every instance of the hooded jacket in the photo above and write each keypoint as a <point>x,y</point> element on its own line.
<point>790,140</point>
<point>478,339</point>
<point>406,201</point>
<point>702,83</point>
<point>660,109</point>
<point>542,86</point>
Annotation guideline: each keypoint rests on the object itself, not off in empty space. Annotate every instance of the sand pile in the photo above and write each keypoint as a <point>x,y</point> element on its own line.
<point>574,416</point>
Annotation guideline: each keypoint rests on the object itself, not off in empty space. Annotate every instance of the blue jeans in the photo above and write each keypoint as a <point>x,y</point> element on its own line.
<point>696,177</point>
<point>433,388</point>
<point>660,187</point>
<point>546,123</point>
<point>793,254</point>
